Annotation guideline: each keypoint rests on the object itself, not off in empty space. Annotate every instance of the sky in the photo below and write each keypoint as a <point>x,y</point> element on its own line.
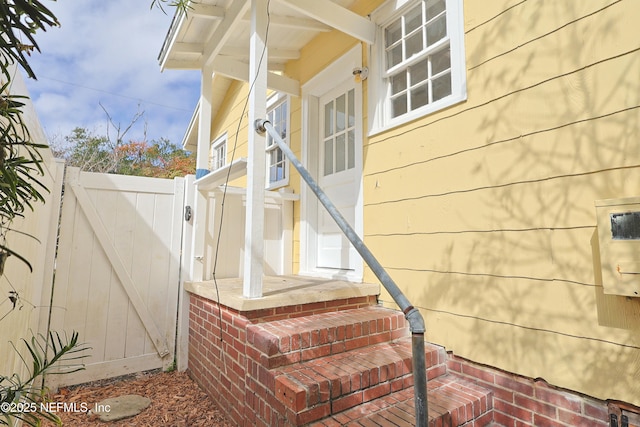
<point>104,54</point>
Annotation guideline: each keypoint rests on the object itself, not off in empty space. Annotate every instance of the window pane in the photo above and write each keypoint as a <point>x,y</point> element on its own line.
<point>394,56</point>
<point>442,87</point>
<point>277,116</point>
<point>434,7</point>
<point>414,44</point>
<point>328,157</point>
<point>283,107</point>
<point>398,83</point>
<point>393,33</point>
<point>340,113</point>
<point>436,30</point>
<point>440,61</point>
<point>351,149</point>
<point>419,96</point>
<point>352,108</point>
<point>340,153</point>
<point>328,119</point>
<point>399,106</point>
<point>413,19</point>
<point>419,72</point>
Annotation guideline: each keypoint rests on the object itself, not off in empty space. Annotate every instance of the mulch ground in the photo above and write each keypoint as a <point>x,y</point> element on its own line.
<point>176,401</point>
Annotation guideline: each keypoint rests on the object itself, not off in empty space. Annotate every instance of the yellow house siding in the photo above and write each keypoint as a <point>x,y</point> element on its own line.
<point>230,120</point>
<point>484,212</point>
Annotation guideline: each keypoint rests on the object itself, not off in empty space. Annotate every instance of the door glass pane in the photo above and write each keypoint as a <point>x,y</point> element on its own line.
<point>328,119</point>
<point>340,153</point>
<point>352,108</point>
<point>328,157</point>
<point>341,111</point>
<point>351,149</point>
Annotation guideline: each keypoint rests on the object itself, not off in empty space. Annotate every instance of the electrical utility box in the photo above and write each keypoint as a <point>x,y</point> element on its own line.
<point>619,239</point>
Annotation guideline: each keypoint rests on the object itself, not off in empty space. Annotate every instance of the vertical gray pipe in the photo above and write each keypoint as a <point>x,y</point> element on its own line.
<point>413,316</point>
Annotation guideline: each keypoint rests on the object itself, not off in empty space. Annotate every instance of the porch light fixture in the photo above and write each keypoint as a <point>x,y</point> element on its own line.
<point>360,74</point>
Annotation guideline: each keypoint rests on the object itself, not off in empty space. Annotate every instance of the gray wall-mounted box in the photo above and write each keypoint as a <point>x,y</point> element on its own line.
<point>619,239</point>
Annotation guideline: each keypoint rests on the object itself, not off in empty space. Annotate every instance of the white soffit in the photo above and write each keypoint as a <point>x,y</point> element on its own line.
<point>221,28</point>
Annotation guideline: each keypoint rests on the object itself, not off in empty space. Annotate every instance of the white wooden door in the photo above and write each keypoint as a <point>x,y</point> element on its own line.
<point>118,268</point>
<point>338,174</point>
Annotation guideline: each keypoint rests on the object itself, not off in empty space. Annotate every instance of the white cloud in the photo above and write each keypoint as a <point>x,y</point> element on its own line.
<point>105,52</point>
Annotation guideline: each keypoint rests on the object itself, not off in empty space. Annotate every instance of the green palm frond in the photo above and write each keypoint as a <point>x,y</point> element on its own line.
<point>45,355</point>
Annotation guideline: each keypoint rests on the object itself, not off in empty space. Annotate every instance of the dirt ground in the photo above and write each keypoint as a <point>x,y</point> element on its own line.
<point>176,401</point>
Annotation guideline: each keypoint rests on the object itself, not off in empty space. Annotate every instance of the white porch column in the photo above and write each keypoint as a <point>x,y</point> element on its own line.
<point>204,123</point>
<point>254,229</point>
<point>202,168</point>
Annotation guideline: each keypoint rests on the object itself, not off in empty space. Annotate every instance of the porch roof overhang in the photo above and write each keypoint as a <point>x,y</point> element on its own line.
<point>216,34</point>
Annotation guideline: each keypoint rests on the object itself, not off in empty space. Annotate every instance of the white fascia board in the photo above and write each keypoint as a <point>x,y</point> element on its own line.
<point>177,64</point>
<point>170,39</point>
<point>192,129</point>
<point>337,17</point>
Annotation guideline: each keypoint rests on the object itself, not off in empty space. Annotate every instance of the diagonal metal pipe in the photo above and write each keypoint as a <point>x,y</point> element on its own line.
<point>413,316</point>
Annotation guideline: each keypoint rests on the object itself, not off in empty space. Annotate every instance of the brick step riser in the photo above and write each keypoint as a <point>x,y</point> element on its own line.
<point>275,350</point>
<point>313,393</point>
<point>452,401</point>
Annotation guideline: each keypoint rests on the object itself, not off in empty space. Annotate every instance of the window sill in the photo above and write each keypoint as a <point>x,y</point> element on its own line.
<point>426,111</point>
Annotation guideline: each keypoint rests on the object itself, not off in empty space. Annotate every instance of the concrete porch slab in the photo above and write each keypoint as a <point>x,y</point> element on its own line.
<point>281,291</point>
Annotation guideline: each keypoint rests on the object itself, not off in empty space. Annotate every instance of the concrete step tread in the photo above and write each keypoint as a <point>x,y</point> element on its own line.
<point>298,339</point>
<point>452,401</point>
<point>373,371</point>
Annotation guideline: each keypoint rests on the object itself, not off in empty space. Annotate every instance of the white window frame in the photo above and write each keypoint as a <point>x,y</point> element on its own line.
<point>273,102</point>
<point>379,93</point>
<point>218,147</point>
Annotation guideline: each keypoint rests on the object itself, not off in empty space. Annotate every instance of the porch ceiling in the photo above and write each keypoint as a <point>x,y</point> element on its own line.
<point>217,32</point>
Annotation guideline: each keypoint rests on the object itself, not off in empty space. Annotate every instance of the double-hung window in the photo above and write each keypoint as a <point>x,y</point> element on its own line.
<point>418,60</point>
<point>277,165</point>
<point>218,155</point>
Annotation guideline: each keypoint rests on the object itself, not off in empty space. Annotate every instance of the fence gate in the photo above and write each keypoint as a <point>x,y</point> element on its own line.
<point>117,273</point>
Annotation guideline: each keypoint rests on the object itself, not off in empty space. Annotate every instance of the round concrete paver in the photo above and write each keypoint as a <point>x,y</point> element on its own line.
<point>117,408</point>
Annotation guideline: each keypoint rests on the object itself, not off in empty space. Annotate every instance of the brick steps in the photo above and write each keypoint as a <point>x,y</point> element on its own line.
<point>344,380</point>
<point>453,401</point>
<point>354,366</point>
<point>287,341</point>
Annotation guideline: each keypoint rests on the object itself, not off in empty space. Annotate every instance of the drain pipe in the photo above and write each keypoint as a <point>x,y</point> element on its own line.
<point>413,316</point>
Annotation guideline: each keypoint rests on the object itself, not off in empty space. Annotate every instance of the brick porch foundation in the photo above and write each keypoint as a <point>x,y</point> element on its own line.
<point>228,369</point>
